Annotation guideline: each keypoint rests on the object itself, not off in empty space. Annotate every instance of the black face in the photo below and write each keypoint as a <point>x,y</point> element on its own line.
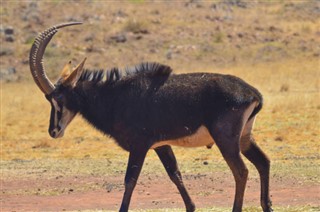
<point>60,116</point>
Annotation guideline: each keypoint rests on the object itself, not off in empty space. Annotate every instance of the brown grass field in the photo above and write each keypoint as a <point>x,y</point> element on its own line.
<point>84,170</point>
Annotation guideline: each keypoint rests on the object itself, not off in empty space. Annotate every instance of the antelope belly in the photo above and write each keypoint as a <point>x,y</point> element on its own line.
<point>200,138</point>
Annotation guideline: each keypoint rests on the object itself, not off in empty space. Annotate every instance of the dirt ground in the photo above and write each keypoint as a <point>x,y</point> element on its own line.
<point>152,192</point>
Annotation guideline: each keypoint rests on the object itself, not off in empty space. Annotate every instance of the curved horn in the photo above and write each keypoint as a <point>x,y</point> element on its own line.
<point>36,57</point>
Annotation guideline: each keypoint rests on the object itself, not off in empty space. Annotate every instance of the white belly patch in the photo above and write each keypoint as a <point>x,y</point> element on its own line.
<point>200,138</point>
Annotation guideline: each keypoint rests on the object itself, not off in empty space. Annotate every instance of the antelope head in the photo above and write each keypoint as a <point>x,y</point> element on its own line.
<point>59,94</point>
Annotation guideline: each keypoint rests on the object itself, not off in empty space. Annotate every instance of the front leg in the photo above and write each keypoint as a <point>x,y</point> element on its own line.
<point>169,161</point>
<point>136,159</point>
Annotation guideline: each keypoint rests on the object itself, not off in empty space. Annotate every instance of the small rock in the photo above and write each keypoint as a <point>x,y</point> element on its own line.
<point>9,30</point>
<point>153,50</point>
<point>205,163</point>
<point>31,14</point>
<point>33,5</point>
<point>193,3</point>
<point>89,38</point>
<point>235,3</point>
<point>11,70</point>
<point>169,55</point>
<point>240,35</point>
<point>9,38</point>
<point>120,13</point>
<point>24,61</point>
<point>274,29</point>
<point>109,187</point>
<point>73,19</point>
<point>5,51</point>
<point>120,38</point>
<point>8,75</point>
<point>139,37</point>
<point>144,31</point>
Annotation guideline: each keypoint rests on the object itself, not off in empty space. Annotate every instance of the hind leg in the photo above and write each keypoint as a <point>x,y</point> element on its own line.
<point>229,147</point>
<point>256,156</point>
<point>226,132</point>
<point>226,137</point>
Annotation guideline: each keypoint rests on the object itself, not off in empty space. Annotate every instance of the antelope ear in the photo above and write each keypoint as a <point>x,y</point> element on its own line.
<point>65,73</point>
<point>75,75</point>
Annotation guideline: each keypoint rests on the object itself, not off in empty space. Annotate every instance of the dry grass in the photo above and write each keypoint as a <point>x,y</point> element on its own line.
<point>288,126</point>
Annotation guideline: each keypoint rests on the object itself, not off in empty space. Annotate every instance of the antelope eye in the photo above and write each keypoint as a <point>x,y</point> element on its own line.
<point>59,97</point>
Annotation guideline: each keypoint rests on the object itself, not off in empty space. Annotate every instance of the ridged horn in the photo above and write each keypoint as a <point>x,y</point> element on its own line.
<point>36,57</point>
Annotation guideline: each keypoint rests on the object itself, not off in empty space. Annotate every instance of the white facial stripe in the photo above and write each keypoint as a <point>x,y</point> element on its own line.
<point>62,117</point>
<point>55,105</point>
<point>57,109</point>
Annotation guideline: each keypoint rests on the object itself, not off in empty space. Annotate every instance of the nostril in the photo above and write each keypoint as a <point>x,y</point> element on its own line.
<point>53,133</point>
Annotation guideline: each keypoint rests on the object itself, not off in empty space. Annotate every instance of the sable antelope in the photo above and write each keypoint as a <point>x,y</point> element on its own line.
<point>147,107</point>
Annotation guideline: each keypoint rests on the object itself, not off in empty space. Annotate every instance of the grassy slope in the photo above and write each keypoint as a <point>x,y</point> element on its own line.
<point>286,127</point>
<point>207,37</point>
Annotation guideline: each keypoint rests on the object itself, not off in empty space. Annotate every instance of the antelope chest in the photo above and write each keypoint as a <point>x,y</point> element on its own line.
<point>201,137</point>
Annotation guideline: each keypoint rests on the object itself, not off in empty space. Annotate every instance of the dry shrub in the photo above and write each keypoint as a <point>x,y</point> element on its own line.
<point>284,88</point>
<point>279,138</point>
<point>42,145</point>
<point>136,26</point>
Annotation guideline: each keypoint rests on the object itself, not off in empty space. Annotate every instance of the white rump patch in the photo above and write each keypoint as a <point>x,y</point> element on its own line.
<point>248,126</point>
